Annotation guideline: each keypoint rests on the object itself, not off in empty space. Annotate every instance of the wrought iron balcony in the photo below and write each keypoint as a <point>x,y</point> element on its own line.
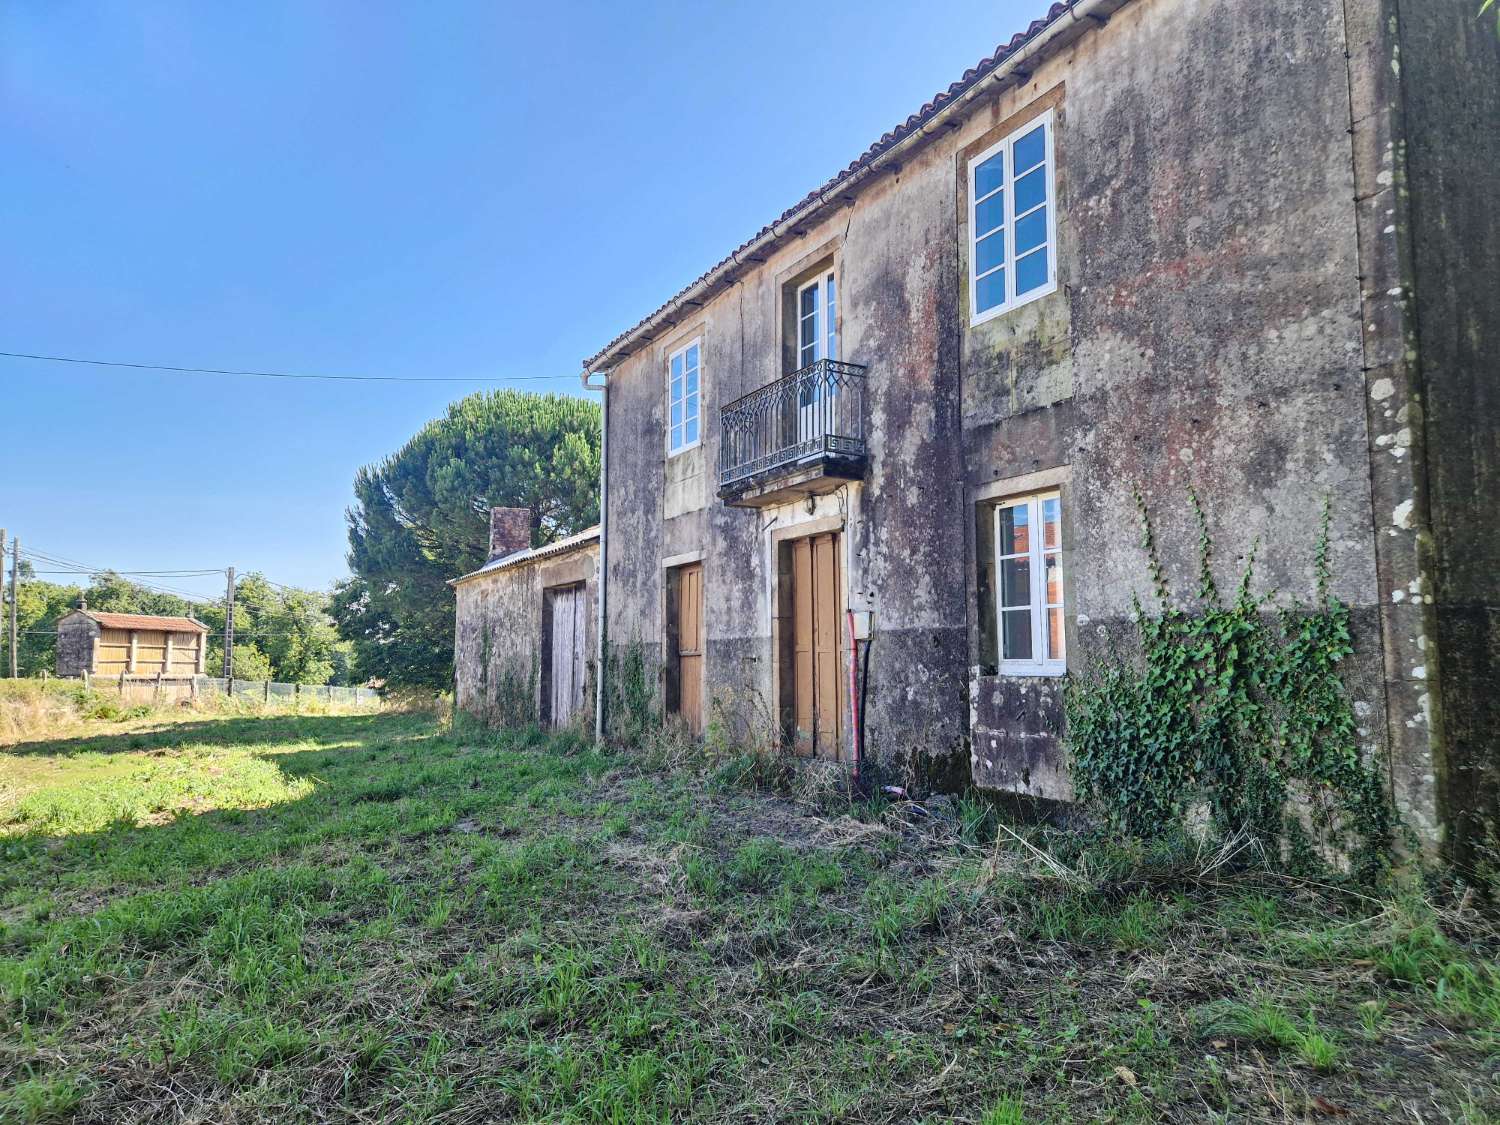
<point>809,425</point>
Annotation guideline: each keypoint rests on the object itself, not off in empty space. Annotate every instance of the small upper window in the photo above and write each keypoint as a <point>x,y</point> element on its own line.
<point>1028,585</point>
<point>817,320</point>
<point>1013,222</point>
<point>684,371</point>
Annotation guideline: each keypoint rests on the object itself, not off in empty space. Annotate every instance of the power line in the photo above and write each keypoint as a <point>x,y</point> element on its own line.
<point>290,375</point>
<point>33,555</point>
<point>73,566</point>
<point>145,573</point>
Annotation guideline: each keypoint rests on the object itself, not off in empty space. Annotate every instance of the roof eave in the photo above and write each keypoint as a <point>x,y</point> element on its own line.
<point>843,188</point>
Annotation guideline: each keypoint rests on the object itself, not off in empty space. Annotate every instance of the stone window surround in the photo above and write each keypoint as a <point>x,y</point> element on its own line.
<point>983,501</point>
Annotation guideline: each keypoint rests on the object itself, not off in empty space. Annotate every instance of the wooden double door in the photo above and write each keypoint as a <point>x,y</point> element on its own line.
<point>566,655</point>
<point>685,644</point>
<point>811,593</point>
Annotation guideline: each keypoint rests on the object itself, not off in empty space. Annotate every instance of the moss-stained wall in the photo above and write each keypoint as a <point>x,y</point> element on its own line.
<point>1233,318</point>
<point>1205,336</point>
<point>1447,64</point>
<point>499,645</point>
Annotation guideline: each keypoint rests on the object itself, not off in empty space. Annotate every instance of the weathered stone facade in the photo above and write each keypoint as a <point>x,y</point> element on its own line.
<point>503,641</point>
<point>1276,286</point>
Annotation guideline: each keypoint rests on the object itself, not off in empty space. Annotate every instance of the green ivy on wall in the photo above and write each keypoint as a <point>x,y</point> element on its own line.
<point>1233,706</point>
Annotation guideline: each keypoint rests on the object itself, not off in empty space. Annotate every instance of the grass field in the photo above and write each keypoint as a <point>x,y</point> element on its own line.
<point>372,918</point>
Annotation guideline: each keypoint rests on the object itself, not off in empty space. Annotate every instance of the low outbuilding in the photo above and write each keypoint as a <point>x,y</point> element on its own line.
<point>525,636</point>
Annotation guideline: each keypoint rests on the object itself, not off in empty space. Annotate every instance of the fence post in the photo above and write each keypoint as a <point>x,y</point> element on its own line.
<point>122,685</point>
<point>265,695</point>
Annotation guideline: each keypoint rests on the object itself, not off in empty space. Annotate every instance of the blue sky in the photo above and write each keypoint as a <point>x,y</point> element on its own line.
<point>456,189</point>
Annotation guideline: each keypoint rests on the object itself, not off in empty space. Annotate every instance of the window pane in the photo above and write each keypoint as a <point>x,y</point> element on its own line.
<point>1031,272</point>
<point>1015,582</point>
<point>1031,231</point>
<point>989,252</point>
<point>1054,634</point>
<point>676,437</point>
<point>1052,569</point>
<point>809,300</point>
<point>1030,150</point>
<point>1052,522</point>
<point>990,214</point>
<point>676,414</point>
<point>676,368</point>
<point>990,291</point>
<point>692,429</point>
<point>1015,635</point>
<point>1031,189</point>
<point>692,357</point>
<point>1014,524</point>
<point>989,175</point>
<point>692,382</point>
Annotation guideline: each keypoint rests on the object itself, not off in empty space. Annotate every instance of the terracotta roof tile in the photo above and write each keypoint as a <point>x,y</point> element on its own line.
<point>146,621</point>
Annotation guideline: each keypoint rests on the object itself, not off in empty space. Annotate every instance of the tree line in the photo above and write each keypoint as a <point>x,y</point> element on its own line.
<point>281,633</point>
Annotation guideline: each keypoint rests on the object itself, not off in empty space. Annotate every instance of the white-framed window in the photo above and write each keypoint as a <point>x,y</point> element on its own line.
<point>1012,222</point>
<point>684,410</point>
<point>1029,586</point>
<point>817,320</point>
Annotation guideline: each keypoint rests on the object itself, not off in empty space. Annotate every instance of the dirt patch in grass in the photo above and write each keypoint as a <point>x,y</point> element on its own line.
<point>518,928</point>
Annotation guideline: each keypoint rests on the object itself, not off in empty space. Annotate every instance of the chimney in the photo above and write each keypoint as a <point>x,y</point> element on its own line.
<point>510,531</point>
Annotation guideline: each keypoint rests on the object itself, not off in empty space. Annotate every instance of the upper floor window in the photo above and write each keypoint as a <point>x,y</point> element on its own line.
<point>817,320</point>
<point>1013,222</point>
<point>1029,586</point>
<point>684,371</point>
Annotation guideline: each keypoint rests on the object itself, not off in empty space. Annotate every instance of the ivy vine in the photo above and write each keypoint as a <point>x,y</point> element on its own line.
<point>1234,706</point>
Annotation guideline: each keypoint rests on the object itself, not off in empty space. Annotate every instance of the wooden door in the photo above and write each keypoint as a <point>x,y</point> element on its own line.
<point>566,655</point>
<point>816,593</point>
<point>688,636</point>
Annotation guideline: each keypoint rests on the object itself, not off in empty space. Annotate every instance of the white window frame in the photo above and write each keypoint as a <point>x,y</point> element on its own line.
<point>1042,663</point>
<point>826,339</point>
<point>673,451</point>
<point>1013,302</point>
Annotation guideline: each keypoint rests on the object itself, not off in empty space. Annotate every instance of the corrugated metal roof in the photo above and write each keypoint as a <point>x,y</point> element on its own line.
<point>146,621</point>
<point>561,547</point>
<point>889,140</point>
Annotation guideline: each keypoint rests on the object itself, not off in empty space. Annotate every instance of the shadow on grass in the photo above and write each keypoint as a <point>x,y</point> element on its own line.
<point>228,730</point>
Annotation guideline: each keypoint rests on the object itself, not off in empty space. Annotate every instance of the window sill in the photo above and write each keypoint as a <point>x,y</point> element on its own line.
<point>1033,671</point>
<point>975,320</point>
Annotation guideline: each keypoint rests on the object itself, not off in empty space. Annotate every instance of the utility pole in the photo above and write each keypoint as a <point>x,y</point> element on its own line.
<point>2,570</point>
<point>15,577</point>
<point>229,634</point>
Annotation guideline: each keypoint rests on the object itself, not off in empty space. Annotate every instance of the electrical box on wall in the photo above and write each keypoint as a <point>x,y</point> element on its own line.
<point>864,623</point>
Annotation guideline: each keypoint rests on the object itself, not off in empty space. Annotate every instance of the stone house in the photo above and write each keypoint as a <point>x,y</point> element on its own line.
<point>869,481</point>
<point>526,625</point>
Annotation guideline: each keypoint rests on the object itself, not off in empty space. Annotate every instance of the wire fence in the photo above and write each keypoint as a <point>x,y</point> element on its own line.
<point>166,689</point>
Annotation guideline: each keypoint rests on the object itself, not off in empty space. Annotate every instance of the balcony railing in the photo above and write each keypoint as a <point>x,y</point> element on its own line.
<point>816,414</point>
